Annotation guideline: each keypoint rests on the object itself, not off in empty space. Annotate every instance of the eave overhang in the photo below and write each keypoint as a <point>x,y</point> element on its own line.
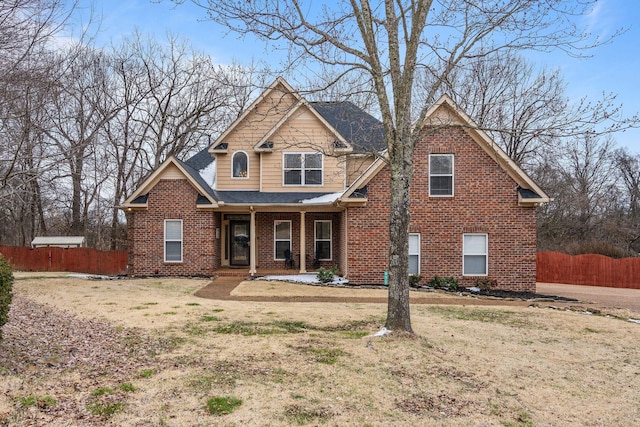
<point>138,200</point>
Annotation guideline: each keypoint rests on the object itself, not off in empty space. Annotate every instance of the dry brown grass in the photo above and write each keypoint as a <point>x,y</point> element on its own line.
<point>316,363</point>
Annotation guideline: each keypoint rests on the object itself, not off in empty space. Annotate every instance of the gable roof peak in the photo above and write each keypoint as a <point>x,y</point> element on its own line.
<point>279,81</point>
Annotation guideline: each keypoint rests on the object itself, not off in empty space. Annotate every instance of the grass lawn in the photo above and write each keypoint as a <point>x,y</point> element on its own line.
<point>147,352</point>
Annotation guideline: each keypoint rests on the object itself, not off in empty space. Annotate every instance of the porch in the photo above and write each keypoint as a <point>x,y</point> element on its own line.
<point>264,241</point>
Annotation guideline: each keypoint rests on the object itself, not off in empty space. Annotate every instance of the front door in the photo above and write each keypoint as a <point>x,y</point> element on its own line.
<point>239,243</point>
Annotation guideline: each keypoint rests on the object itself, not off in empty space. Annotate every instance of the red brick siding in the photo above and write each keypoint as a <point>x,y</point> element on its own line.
<point>173,199</point>
<point>265,237</point>
<point>485,201</point>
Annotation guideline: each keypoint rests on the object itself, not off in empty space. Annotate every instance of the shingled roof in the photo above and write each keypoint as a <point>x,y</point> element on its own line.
<point>363,131</point>
<point>200,160</point>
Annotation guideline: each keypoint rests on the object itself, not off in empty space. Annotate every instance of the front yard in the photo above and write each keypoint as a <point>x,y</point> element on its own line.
<point>147,352</point>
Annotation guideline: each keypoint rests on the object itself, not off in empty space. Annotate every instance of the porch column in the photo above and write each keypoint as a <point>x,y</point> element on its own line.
<point>252,243</point>
<point>303,244</point>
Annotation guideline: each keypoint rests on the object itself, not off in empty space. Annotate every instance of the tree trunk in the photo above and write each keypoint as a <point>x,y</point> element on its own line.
<point>399,314</point>
<point>76,198</point>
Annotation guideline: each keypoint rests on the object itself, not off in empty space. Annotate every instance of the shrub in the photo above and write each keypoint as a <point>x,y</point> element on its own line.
<point>598,248</point>
<point>6,283</point>
<point>414,280</point>
<point>325,275</point>
<point>485,283</point>
<point>446,283</point>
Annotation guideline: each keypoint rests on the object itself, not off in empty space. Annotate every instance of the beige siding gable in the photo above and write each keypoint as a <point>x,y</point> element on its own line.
<point>292,128</point>
<point>246,134</point>
<point>444,116</point>
<point>171,171</point>
<point>356,165</point>
<point>303,132</point>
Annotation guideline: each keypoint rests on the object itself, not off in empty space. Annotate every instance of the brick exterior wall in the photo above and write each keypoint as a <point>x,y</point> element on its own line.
<point>265,238</point>
<point>485,201</point>
<point>173,199</point>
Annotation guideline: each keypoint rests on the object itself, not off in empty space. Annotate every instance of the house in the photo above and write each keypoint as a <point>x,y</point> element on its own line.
<point>291,179</point>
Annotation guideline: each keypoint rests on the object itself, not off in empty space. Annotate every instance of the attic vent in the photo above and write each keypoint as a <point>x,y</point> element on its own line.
<point>361,192</point>
<point>141,199</point>
<point>525,193</point>
<point>338,144</point>
<point>267,145</point>
<point>201,200</point>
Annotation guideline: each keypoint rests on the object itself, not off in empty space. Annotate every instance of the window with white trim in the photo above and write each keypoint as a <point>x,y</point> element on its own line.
<point>441,174</point>
<point>173,240</point>
<point>414,253</point>
<point>302,169</point>
<point>240,165</point>
<point>281,239</point>
<point>475,254</point>
<point>323,240</point>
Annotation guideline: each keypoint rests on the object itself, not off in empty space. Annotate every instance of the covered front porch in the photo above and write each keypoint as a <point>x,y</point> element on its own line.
<point>277,240</point>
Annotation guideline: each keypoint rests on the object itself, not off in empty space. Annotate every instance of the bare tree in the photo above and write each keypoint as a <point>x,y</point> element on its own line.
<point>629,169</point>
<point>171,101</point>
<point>526,110</point>
<point>80,106</point>
<point>388,41</point>
<point>26,30</point>
<point>583,177</point>
<point>183,101</point>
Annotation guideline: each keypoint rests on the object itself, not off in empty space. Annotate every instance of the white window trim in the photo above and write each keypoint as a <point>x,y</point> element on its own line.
<point>419,250</point>
<point>181,240</point>
<point>452,175</point>
<point>486,254</point>
<point>330,239</point>
<point>302,173</point>
<point>232,157</point>
<point>275,239</point>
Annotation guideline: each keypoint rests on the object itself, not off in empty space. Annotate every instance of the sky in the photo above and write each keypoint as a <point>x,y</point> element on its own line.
<point>613,68</point>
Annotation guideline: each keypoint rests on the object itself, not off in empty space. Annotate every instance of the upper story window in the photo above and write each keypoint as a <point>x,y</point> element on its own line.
<point>441,175</point>
<point>302,169</point>
<point>240,165</point>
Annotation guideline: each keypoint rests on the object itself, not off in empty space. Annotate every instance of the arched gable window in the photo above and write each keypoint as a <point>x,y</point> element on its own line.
<point>240,165</point>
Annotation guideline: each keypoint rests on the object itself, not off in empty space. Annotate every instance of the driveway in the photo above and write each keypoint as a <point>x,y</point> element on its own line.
<point>598,295</point>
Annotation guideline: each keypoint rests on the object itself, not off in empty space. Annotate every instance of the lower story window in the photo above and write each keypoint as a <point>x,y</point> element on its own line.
<point>323,240</point>
<point>475,254</point>
<point>173,240</point>
<point>282,239</point>
<point>414,253</point>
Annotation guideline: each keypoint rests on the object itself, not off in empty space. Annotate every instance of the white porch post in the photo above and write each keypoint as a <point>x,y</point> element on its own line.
<point>252,243</point>
<point>303,244</point>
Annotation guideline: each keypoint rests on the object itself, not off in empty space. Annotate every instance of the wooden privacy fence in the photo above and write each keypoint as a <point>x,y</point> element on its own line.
<point>588,269</point>
<point>79,260</point>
